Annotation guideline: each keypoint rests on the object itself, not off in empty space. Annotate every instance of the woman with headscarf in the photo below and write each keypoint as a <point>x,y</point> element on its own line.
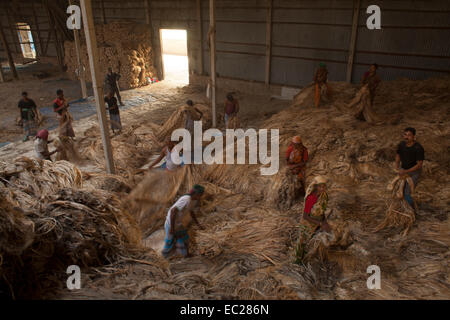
<point>177,222</point>
<point>313,219</point>
<point>296,158</point>
<point>41,145</point>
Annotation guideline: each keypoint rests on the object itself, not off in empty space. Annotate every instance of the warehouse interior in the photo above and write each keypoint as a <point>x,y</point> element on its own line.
<point>97,205</point>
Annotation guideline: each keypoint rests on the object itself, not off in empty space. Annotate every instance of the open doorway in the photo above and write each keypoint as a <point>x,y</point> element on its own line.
<point>174,53</point>
<point>26,41</point>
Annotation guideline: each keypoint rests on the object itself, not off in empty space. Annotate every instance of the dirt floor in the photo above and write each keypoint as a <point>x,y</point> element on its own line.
<point>246,251</point>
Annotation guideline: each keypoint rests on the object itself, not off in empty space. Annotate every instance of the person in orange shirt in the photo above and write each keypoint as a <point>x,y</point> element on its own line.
<point>320,80</point>
<point>296,158</point>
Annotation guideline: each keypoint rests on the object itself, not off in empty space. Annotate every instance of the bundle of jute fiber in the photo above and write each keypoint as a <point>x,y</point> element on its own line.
<point>149,200</point>
<point>52,222</point>
<point>362,108</point>
<point>66,150</point>
<point>399,213</point>
<point>123,46</point>
<point>176,120</point>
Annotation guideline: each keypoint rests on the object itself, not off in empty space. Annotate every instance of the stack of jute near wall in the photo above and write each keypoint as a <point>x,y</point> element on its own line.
<point>125,47</point>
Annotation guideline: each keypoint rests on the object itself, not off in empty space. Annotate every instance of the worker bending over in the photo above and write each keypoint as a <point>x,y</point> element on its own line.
<point>166,153</point>
<point>177,222</point>
<point>313,219</point>
<point>41,145</point>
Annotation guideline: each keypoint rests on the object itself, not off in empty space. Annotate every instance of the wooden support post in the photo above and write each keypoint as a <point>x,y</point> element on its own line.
<point>102,4</point>
<point>212,43</point>
<point>55,35</point>
<point>2,75</point>
<point>351,50</point>
<point>147,11</point>
<point>13,31</point>
<point>76,37</point>
<point>268,40</point>
<point>38,30</point>
<point>200,35</point>
<point>91,42</point>
<point>8,53</point>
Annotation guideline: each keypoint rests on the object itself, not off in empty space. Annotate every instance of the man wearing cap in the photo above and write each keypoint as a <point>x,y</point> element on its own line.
<point>296,158</point>
<point>177,221</point>
<point>41,145</point>
<point>320,80</point>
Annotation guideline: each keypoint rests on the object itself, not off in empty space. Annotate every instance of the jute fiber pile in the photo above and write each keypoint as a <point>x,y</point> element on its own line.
<point>125,47</point>
<point>49,221</point>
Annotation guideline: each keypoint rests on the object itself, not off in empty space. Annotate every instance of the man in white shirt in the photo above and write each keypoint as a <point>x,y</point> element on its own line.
<point>177,222</point>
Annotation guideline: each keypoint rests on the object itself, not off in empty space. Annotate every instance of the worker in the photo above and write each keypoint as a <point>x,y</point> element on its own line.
<point>231,109</point>
<point>61,107</point>
<point>114,114</point>
<point>313,219</point>
<point>178,219</point>
<point>28,115</point>
<point>111,79</point>
<point>410,154</point>
<point>372,80</point>
<point>191,114</point>
<point>296,158</point>
<point>41,145</point>
<point>166,152</point>
<point>320,83</point>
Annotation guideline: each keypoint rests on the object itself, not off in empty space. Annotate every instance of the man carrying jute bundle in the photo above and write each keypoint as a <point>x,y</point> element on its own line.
<point>372,80</point>
<point>177,222</point>
<point>296,158</point>
<point>110,84</point>
<point>321,84</point>
<point>410,154</point>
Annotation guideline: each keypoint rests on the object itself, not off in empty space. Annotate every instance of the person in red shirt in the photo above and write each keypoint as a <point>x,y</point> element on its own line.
<point>296,158</point>
<point>313,218</point>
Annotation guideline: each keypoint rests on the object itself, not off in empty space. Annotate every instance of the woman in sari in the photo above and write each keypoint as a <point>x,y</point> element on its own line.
<point>296,158</point>
<point>313,219</point>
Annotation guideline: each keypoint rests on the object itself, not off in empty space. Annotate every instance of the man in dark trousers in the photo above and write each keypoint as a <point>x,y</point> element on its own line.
<point>28,115</point>
<point>111,79</point>
<point>410,154</point>
<point>114,113</point>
